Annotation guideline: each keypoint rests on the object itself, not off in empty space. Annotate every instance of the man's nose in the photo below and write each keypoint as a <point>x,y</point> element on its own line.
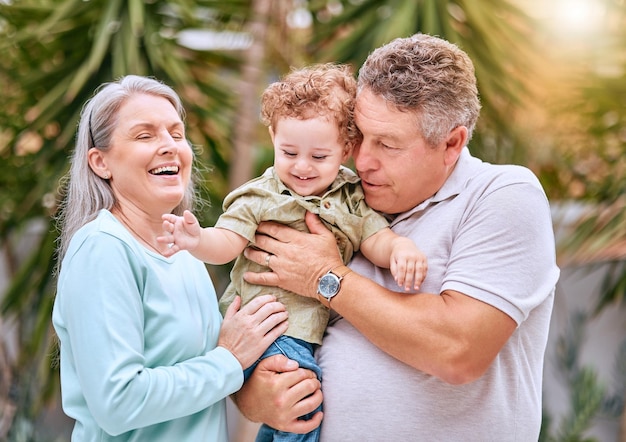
<point>363,157</point>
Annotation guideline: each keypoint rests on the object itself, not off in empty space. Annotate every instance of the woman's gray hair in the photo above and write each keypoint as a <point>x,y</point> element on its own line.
<point>429,77</point>
<point>86,193</point>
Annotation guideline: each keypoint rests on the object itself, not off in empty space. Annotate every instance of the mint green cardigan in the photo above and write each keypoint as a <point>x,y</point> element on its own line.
<point>138,336</point>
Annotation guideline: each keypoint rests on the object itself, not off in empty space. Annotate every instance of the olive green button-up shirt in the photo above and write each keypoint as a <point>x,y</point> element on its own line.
<point>342,209</point>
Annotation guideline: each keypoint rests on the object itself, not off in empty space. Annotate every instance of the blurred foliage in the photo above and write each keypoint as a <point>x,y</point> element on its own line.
<point>588,147</point>
<point>57,53</point>
<point>589,398</point>
<point>598,239</point>
<point>582,111</point>
<point>494,33</point>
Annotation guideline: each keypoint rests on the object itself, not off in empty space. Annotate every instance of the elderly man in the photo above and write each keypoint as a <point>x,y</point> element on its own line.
<point>463,358</point>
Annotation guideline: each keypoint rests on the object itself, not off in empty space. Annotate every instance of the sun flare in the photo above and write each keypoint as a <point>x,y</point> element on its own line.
<point>578,16</point>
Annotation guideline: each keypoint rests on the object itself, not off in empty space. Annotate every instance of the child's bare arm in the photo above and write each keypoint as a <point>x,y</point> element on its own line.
<point>211,245</point>
<point>407,263</point>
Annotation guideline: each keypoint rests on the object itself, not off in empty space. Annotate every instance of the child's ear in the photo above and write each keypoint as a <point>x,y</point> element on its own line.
<point>270,129</point>
<point>347,151</point>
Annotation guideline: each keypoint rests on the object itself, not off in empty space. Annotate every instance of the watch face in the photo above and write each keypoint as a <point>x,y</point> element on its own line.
<point>329,285</point>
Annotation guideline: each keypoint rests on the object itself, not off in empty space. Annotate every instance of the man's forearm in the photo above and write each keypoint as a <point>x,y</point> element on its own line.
<point>425,330</point>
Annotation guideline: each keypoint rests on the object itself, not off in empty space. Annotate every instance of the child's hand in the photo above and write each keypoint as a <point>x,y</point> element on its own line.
<point>181,232</point>
<point>408,264</point>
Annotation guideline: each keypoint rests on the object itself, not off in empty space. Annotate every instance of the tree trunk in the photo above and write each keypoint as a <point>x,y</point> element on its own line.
<point>242,161</point>
<point>7,405</point>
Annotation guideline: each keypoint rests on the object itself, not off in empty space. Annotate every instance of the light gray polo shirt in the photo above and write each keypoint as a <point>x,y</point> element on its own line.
<point>488,234</point>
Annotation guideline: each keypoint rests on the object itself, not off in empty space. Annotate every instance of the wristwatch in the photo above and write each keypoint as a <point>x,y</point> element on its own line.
<point>330,284</point>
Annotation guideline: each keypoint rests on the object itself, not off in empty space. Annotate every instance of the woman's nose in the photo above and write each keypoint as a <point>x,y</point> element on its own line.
<point>168,145</point>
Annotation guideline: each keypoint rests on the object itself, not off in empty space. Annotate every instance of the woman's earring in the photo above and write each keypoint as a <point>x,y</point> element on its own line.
<point>107,176</point>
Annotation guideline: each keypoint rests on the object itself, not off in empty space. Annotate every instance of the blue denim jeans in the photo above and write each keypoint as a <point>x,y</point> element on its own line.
<point>302,352</point>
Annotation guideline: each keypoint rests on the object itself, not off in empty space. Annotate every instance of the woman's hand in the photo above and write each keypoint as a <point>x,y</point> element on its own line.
<point>247,333</point>
<point>297,259</point>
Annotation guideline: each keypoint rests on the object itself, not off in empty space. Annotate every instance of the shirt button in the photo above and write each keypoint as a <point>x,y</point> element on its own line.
<point>327,205</point>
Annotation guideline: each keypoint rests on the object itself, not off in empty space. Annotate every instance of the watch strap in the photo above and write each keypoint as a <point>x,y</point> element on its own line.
<point>340,272</point>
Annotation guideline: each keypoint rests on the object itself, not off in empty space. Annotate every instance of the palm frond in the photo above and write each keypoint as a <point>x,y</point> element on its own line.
<point>496,34</point>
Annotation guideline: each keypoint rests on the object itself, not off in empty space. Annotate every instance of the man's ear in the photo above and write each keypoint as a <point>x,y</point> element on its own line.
<point>456,141</point>
<point>97,163</point>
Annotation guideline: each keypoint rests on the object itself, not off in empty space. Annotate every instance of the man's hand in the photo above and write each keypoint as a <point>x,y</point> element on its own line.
<point>278,393</point>
<point>297,259</point>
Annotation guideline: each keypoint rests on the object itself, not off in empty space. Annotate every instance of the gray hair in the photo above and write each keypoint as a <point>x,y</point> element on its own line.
<point>85,192</point>
<point>429,77</point>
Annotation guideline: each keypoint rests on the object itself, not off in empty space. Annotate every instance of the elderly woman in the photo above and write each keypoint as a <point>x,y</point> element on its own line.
<point>145,354</point>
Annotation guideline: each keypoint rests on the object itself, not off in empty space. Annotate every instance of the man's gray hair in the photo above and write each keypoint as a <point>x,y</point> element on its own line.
<point>429,77</point>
